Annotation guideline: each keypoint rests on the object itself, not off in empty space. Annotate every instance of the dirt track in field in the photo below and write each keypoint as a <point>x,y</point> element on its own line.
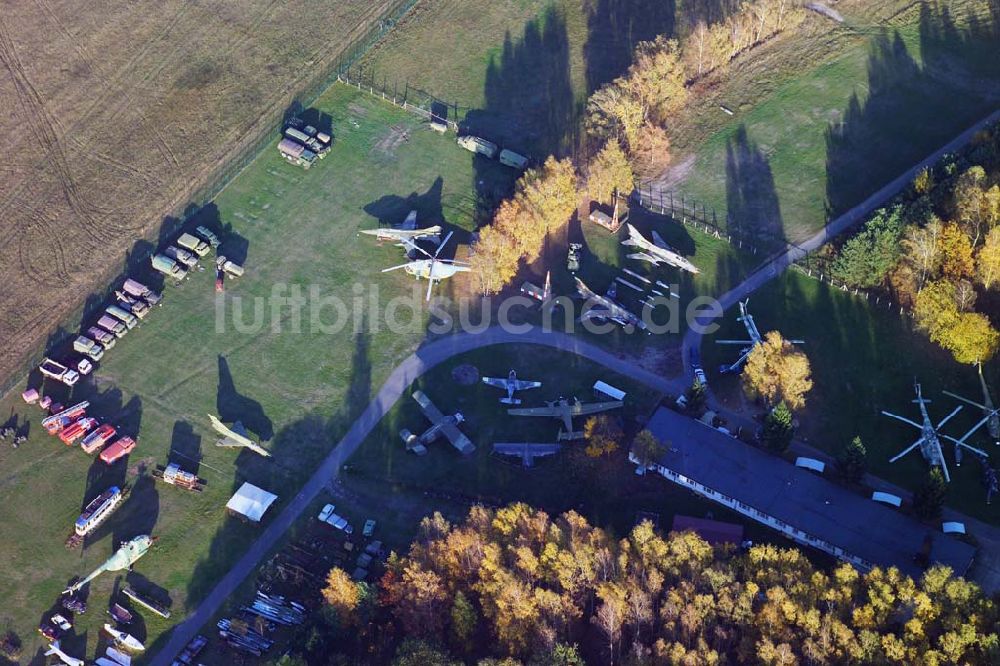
<point>112,113</point>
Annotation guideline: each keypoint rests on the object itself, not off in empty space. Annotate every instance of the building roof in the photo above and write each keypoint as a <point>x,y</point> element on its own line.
<point>801,499</point>
<point>713,531</point>
<point>251,501</point>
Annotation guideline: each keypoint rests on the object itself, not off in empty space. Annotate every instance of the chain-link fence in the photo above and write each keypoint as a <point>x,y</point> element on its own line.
<point>265,130</point>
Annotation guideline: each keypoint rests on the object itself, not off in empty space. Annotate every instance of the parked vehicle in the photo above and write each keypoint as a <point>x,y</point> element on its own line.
<point>208,235</point>
<point>478,145</point>
<point>112,325</point>
<point>76,430</point>
<point>228,267</point>
<point>97,438</point>
<point>513,160</point>
<point>85,345</point>
<point>139,290</point>
<point>119,449</point>
<point>296,153</point>
<point>194,244</point>
<point>168,266</point>
<point>307,140</point>
<point>126,318</point>
<point>136,306</point>
<point>59,372</point>
<point>106,339</point>
<point>333,520</point>
<point>181,256</point>
<point>84,366</point>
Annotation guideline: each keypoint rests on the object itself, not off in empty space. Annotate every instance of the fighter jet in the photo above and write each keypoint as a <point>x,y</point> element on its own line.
<point>236,437</point>
<point>656,252</point>
<point>564,410</point>
<point>603,307</point>
<point>405,234</point>
<point>511,385</point>
<point>440,425</point>
<point>126,555</point>
<point>56,649</point>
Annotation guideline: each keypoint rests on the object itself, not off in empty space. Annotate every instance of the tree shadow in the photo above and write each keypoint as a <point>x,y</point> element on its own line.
<point>185,447</point>
<point>908,108</point>
<point>297,450</point>
<point>751,198</point>
<point>529,103</point>
<point>391,209</point>
<point>614,29</point>
<point>232,406</point>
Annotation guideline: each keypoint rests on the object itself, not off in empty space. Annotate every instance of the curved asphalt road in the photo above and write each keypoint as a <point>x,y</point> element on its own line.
<point>424,359</point>
<point>438,351</point>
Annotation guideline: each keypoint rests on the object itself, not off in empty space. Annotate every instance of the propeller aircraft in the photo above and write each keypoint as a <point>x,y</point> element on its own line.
<point>512,384</point>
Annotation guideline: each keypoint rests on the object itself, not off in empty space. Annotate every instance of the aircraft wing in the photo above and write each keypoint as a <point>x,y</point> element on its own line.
<point>495,381</point>
<point>554,412</point>
<point>228,433</point>
<point>595,407</point>
<point>457,439</point>
<point>643,256</point>
<point>659,242</point>
<point>522,385</point>
<point>432,413</point>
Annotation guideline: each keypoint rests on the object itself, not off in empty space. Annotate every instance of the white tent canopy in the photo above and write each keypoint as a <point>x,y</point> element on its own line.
<point>251,501</point>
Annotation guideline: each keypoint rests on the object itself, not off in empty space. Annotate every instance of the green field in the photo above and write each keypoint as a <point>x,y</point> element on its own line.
<point>823,120</point>
<point>864,359</point>
<point>299,389</point>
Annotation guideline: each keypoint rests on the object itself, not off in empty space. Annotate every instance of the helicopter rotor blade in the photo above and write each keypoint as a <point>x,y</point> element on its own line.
<point>386,270</point>
<point>443,243</point>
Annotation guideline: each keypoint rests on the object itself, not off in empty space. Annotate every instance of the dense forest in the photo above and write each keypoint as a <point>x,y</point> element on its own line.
<point>516,586</point>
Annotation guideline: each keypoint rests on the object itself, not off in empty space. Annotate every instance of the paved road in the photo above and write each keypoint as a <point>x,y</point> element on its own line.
<point>441,350</point>
<point>793,252</point>
<point>424,359</point>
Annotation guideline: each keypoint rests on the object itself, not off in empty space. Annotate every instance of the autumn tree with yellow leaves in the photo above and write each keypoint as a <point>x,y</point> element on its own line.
<point>515,585</point>
<point>543,201</point>
<point>777,371</point>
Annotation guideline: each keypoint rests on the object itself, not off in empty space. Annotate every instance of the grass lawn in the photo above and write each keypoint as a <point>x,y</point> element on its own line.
<point>808,143</point>
<point>864,359</point>
<point>299,389</point>
<point>607,492</point>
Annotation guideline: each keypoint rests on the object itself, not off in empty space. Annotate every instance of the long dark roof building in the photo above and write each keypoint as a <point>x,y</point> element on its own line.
<point>797,502</point>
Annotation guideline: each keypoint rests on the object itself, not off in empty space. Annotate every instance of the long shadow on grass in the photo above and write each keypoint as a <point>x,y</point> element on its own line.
<point>751,198</point>
<point>615,27</point>
<point>907,109</point>
<point>529,107</point>
<point>297,450</point>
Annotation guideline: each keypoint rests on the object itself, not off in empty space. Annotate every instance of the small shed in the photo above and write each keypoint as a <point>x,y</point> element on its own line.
<point>715,532</point>
<point>250,502</point>
<point>602,390</point>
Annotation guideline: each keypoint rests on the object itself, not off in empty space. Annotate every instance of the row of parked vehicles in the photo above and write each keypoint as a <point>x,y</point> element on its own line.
<point>134,302</point>
<point>72,425</point>
<point>303,144</point>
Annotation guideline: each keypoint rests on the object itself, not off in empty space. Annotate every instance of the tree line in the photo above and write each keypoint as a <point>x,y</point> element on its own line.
<point>516,586</point>
<point>627,133</point>
<point>937,250</point>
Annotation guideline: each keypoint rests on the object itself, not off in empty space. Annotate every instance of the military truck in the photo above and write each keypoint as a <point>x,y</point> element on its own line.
<point>296,153</point>
<point>307,140</point>
<point>139,290</point>
<point>181,256</point>
<point>104,338</point>
<point>194,244</point>
<point>513,160</point>
<point>168,266</point>
<point>86,346</point>
<point>126,318</point>
<point>208,235</point>
<point>479,145</point>
<point>112,325</point>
